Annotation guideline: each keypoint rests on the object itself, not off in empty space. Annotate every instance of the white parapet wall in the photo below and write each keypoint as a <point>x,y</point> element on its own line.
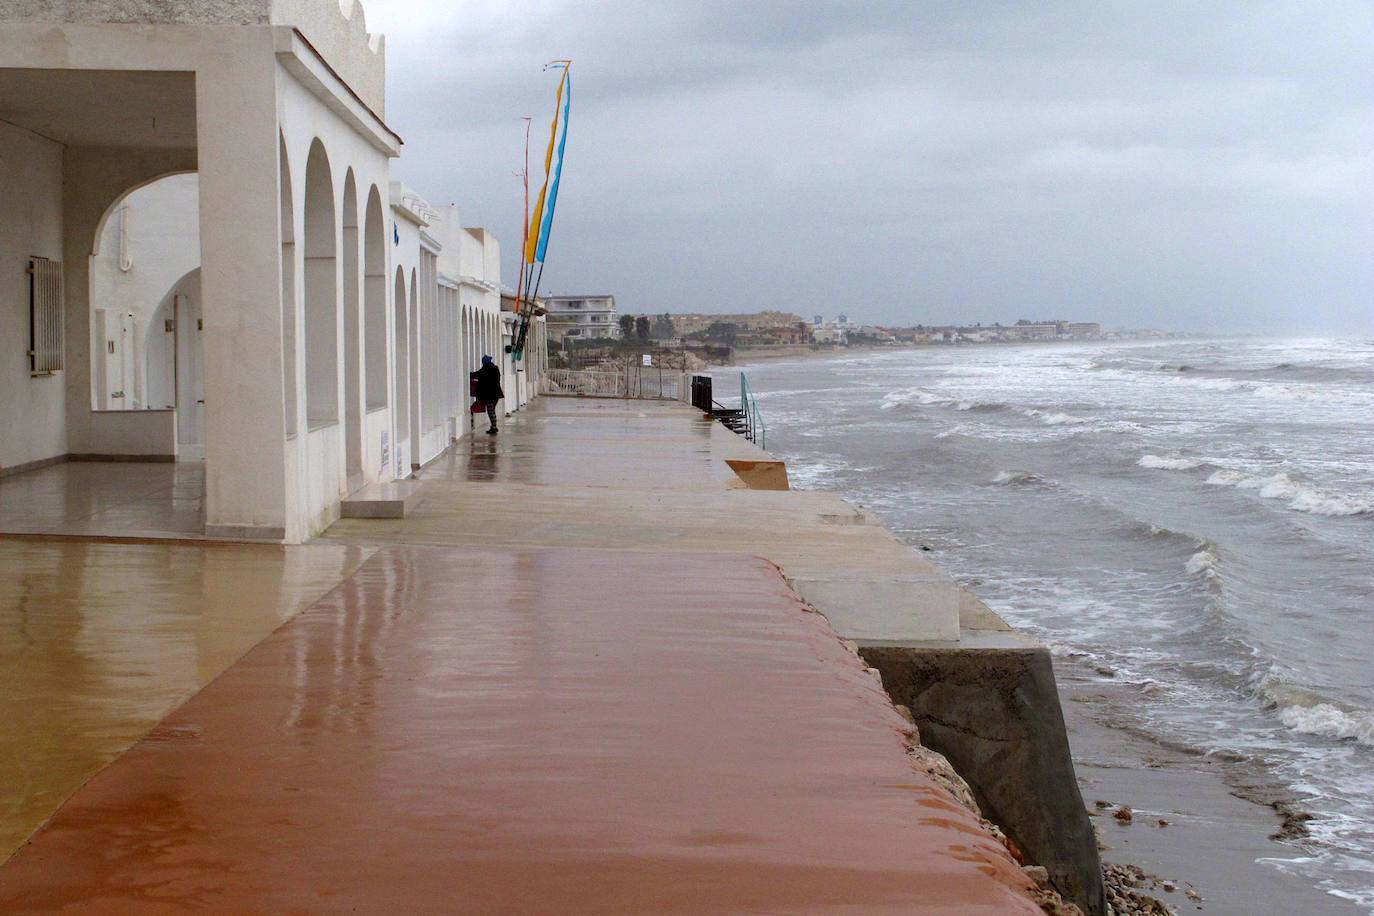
<point>133,433</point>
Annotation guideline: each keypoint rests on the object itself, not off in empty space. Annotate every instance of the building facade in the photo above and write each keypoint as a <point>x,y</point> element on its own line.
<point>583,317</point>
<point>209,262</point>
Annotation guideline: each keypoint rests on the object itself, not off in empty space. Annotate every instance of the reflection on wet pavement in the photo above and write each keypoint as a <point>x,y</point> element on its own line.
<point>532,731</point>
<point>99,641</point>
<point>106,499</point>
<point>598,442</point>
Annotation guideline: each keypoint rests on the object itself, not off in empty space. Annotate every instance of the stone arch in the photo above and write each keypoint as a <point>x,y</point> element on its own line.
<point>123,195</point>
<point>289,302</point>
<point>160,344</point>
<point>321,292</point>
<point>145,240</point>
<point>352,331</point>
<point>413,367</point>
<point>374,302</point>
<point>464,341</point>
<point>402,357</point>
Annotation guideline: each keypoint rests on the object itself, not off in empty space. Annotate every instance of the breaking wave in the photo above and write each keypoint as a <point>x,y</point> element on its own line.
<point>1273,390</point>
<point>925,397</point>
<point>906,396</point>
<point>1170,464</point>
<point>1020,479</point>
<point>1203,563</point>
<point>1054,417</point>
<point>1313,714</point>
<point>1301,497</point>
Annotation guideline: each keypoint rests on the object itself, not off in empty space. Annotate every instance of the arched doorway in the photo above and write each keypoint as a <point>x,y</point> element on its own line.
<point>374,302</point>
<point>402,357</point>
<point>321,293</point>
<point>352,330</point>
<point>413,369</point>
<point>175,369</point>
<point>145,319</point>
<point>147,241</point>
<point>289,320</point>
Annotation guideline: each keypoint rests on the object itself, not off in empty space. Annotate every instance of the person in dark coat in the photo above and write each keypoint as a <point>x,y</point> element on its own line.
<point>488,389</point>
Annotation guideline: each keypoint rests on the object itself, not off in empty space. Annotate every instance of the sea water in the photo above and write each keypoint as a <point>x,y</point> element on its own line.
<point>1194,518</point>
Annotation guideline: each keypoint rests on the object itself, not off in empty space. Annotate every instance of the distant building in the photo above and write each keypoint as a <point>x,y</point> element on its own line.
<point>697,322</point>
<point>1085,330</point>
<point>582,317</point>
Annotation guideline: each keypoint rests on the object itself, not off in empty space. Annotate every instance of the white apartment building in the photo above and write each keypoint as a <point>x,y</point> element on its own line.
<point>583,317</point>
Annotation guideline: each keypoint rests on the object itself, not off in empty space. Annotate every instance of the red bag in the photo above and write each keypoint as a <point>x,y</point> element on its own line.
<point>478,407</point>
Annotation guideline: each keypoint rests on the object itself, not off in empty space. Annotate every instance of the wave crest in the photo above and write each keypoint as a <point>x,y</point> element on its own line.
<point>1169,464</point>
<point>1203,563</point>
<point>1018,478</point>
<point>904,396</point>
<point>1313,714</point>
<point>1301,497</point>
<point>1054,417</point>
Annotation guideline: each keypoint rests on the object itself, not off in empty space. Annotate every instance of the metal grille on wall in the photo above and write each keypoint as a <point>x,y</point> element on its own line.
<point>45,316</point>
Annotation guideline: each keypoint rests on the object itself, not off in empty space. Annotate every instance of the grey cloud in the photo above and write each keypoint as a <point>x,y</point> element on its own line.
<point>1193,165</point>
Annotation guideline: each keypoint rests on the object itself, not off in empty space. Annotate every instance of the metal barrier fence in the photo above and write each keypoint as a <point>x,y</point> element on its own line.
<point>650,382</point>
<point>753,417</point>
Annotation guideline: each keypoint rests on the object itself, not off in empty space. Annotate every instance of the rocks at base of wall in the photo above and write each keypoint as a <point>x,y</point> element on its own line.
<point>994,714</point>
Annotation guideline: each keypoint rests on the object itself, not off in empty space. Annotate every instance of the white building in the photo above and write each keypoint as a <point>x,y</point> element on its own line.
<point>288,315</point>
<point>583,317</point>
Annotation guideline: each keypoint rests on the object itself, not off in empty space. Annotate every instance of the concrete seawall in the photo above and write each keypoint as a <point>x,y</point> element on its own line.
<point>993,712</point>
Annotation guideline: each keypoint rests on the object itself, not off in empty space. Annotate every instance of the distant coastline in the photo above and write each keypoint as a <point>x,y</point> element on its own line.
<point>771,352</point>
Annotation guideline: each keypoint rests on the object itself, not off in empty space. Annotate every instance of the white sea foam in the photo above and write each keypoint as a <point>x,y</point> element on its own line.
<point>913,396</point>
<point>1301,497</point>
<point>1204,562</point>
<point>1054,418</point>
<point>1311,713</point>
<point>1273,390</point>
<point>1329,721</point>
<point>1017,477</point>
<point>1330,504</point>
<point>1169,464</point>
<point>963,429</point>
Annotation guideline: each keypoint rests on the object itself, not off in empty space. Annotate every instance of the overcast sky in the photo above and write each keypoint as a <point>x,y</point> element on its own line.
<point>1204,165</point>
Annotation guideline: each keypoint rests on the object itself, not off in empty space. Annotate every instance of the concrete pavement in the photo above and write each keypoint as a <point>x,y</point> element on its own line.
<point>527,731</point>
<point>636,475</point>
<point>565,683</point>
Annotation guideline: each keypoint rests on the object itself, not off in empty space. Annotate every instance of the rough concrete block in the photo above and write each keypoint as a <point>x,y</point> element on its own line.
<point>994,714</point>
<point>393,499</point>
<point>885,607</point>
<point>760,475</point>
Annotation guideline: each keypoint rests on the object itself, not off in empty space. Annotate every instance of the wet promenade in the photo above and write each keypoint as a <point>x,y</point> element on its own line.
<point>591,726</point>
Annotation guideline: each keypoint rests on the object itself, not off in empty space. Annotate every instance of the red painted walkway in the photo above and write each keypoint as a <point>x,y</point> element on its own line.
<point>530,731</point>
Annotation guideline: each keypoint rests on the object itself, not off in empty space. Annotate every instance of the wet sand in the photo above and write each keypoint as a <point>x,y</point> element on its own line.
<point>1213,839</point>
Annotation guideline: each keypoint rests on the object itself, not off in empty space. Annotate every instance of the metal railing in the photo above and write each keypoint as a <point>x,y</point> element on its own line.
<point>754,429</point>
<point>647,382</point>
